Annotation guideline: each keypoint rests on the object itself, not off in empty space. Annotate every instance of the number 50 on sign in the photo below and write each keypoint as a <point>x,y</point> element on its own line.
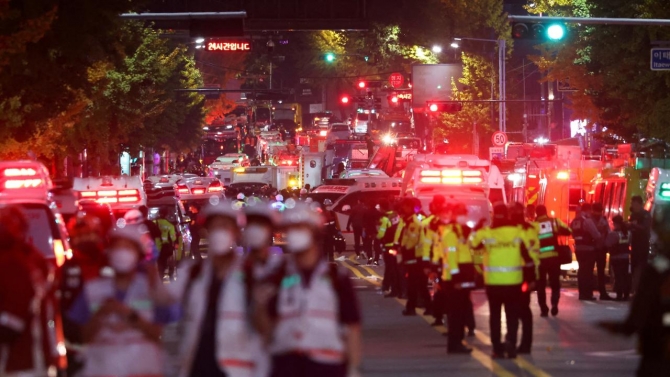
<point>499,138</point>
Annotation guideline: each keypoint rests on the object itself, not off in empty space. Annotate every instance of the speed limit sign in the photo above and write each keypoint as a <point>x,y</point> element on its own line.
<point>499,138</point>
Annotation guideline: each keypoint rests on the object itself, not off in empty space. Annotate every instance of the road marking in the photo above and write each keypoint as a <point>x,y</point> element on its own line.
<point>360,274</point>
<point>366,268</point>
<point>520,361</point>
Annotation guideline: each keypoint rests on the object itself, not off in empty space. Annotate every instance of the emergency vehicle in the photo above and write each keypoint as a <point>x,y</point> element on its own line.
<point>360,173</point>
<point>121,193</point>
<point>200,190</point>
<point>311,168</point>
<point>27,184</point>
<point>344,193</point>
<point>158,186</point>
<point>280,177</point>
<point>658,189</point>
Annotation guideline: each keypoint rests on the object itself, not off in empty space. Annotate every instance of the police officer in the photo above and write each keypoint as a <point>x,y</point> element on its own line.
<point>639,225</point>
<point>386,230</point>
<point>618,245</point>
<point>548,230</point>
<point>217,336</point>
<point>167,241</point>
<point>453,239</point>
<point>408,237</point>
<point>651,305</point>
<point>501,245</point>
<point>585,234</point>
<point>603,227</point>
<point>429,245</point>
<point>330,229</point>
<point>517,216</point>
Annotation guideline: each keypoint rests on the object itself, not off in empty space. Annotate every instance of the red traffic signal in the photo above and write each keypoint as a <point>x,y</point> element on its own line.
<point>344,100</point>
<point>394,99</point>
<point>445,107</point>
<point>361,84</point>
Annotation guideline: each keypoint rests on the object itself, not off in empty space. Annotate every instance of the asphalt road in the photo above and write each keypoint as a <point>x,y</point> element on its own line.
<point>569,345</point>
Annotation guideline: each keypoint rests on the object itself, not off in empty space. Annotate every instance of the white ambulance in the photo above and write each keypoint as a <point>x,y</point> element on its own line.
<point>121,193</point>
<point>345,193</point>
<point>28,185</point>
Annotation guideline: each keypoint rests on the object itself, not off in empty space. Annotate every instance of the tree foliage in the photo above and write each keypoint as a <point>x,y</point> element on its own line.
<point>609,65</point>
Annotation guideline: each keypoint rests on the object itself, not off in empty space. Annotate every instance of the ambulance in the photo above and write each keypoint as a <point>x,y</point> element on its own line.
<point>562,190</point>
<point>345,193</point>
<point>28,185</point>
<point>459,178</point>
<point>121,193</point>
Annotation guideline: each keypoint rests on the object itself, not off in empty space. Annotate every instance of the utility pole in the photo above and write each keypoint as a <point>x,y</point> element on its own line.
<point>502,122</point>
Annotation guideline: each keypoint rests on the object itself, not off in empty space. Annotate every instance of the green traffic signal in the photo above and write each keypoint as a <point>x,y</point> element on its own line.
<point>330,57</point>
<point>555,32</point>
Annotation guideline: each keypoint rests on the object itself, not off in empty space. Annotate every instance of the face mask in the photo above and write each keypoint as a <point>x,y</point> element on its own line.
<point>123,260</point>
<point>256,236</point>
<point>299,240</point>
<point>220,241</point>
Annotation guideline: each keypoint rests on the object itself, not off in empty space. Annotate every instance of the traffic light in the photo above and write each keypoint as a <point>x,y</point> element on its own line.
<point>537,30</point>
<point>392,99</point>
<point>444,106</point>
<point>330,57</point>
<point>345,100</point>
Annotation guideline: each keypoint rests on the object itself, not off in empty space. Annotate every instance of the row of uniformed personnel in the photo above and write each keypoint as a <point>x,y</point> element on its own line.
<point>510,257</point>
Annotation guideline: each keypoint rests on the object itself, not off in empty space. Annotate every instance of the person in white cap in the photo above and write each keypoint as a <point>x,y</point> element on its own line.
<point>216,337</point>
<point>122,316</point>
<point>261,223</point>
<point>313,320</point>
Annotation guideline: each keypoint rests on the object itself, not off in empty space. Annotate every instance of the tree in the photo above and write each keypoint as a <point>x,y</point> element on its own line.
<point>609,65</point>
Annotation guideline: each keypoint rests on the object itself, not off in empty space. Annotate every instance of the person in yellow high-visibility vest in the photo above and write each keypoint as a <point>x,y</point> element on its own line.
<point>427,247</point>
<point>408,236</point>
<point>517,216</point>
<point>386,230</point>
<point>503,246</point>
<point>458,273</point>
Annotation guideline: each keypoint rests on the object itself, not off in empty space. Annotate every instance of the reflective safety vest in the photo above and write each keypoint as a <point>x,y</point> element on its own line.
<point>547,233</point>
<point>124,351</point>
<point>239,349</point>
<point>501,248</point>
<point>428,229</point>
<point>621,250</point>
<point>408,235</point>
<point>443,255</point>
<point>463,272</point>
<point>308,322</point>
<point>169,236</point>
<point>386,230</point>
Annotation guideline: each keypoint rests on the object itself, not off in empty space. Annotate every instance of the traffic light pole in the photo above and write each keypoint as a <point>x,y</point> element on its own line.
<point>593,20</point>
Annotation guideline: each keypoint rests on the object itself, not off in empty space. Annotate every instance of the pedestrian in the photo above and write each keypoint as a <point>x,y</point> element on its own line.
<point>649,311</point>
<point>86,264</point>
<point>501,245</point>
<point>603,227</point>
<point>168,241</point>
<point>408,237</point>
<point>639,224</point>
<point>194,228</point>
<point>386,230</point>
<point>517,217</point>
<point>122,317</point>
<point>356,222</point>
<point>371,219</point>
<point>260,226</point>
<point>549,229</point>
<point>136,219</point>
<point>618,244</point>
<point>217,337</point>
<point>331,229</point>
<point>25,343</point>
<point>313,319</point>
<point>586,234</point>
<point>430,244</point>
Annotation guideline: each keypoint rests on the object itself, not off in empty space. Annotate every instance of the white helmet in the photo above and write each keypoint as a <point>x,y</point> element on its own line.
<point>134,216</point>
<point>225,209</point>
<point>279,198</point>
<point>302,214</point>
<point>263,210</point>
<point>240,196</point>
<point>135,235</point>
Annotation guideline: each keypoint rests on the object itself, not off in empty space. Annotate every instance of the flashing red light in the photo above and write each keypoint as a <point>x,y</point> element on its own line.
<point>361,84</point>
<point>433,107</point>
<point>215,187</point>
<point>394,99</point>
<point>345,100</point>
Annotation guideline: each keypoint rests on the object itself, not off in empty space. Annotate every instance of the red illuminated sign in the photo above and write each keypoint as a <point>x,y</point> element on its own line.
<point>228,46</point>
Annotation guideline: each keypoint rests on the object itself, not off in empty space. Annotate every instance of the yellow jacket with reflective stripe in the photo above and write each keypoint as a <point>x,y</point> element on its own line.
<point>532,243</point>
<point>408,232</point>
<point>501,248</point>
<point>442,256</point>
<point>427,240</point>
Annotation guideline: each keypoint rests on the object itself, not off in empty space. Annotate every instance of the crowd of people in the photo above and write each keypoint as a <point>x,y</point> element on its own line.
<point>246,311</point>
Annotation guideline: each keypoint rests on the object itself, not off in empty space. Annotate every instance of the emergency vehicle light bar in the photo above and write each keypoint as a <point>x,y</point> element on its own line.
<point>21,178</point>
<point>451,176</point>
<point>112,196</point>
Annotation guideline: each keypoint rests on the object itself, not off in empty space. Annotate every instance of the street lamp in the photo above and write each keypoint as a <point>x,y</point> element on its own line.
<point>502,123</point>
<point>199,40</point>
<point>437,49</point>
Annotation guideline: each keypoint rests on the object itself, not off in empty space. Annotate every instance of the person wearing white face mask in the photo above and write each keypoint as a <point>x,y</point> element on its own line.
<point>122,316</point>
<point>215,334</point>
<point>310,294</point>
<point>261,222</point>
